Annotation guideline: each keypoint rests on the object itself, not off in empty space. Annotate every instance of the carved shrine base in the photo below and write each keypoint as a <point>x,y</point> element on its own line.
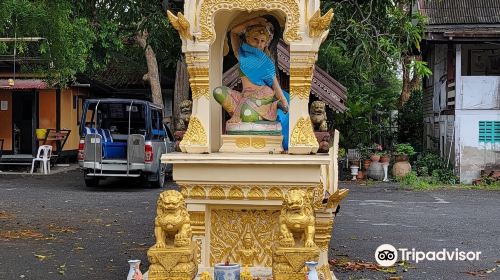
<point>251,144</point>
<point>178,263</point>
<point>288,263</point>
<point>235,202</point>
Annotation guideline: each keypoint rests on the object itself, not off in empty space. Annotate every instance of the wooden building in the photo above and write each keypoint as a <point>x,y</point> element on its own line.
<point>27,104</point>
<point>462,97</point>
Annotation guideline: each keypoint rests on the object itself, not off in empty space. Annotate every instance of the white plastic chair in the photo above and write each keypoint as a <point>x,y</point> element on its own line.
<point>43,155</point>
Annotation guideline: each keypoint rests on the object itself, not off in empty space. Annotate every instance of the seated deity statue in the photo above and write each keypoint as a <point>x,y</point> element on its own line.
<point>255,109</point>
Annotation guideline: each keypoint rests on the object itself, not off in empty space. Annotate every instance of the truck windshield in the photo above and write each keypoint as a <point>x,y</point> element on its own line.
<point>115,117</point>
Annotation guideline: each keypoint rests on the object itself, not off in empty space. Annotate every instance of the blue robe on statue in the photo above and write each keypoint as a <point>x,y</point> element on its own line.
<point>260,70</point>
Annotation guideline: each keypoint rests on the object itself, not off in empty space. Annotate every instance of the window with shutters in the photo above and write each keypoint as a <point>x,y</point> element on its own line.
<point>489,131</point>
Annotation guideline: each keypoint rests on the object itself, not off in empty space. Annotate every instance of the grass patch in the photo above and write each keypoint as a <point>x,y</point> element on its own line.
<point>429,183</point>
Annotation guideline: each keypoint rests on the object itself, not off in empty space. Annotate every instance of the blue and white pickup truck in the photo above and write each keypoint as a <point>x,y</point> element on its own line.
<point>123,138</point>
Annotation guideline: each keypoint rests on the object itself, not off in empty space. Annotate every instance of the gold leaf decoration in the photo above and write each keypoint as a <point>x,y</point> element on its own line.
<point>300,81</point>
<point>324,272</point>
<point>195,134</point>
<point>199,82</point>
<point>181,24</point>
<point>319,24</point>
<point>303,134</point>
<point>242,142</point>
<point>230,225</point>
<point>184,191</point>
<point>323,233</point>
<point>258,143</point>
<point>255,193</point>
<point>216,193</point>
<point>275,194</point>
<point>242,191</point>
<point>236,193</point>
<point>289,7</point>
<point>197,192</point>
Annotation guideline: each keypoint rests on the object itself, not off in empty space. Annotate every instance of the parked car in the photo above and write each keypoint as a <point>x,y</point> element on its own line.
<point>123,138</point>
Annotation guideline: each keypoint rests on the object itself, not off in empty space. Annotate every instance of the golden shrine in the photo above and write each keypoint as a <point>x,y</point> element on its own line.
<point>248,202</point>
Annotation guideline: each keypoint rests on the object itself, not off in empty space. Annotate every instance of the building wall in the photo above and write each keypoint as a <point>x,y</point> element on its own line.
<point>439,136</point>
<point>69,118</point>
<point>475,156</point>
<point>480,92</point>
<point>47,114</point>
<point>439,77</point>
<point>478,99</point>
<point>6,120</point>
<point>47,108</point>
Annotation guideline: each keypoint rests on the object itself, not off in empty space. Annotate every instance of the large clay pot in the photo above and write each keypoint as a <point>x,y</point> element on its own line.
<point>402,167</point>
<point>366,164</point>
<point>385,159</point>
<point>375,171</point>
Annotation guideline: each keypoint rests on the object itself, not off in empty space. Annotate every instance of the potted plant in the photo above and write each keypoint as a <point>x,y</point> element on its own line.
<point>385,157</point>
<point>402,166</point>
<point>365,153</point>
<point>376,150</point>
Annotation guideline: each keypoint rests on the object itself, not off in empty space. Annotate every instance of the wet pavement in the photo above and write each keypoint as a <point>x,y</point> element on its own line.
<point>53,227</point>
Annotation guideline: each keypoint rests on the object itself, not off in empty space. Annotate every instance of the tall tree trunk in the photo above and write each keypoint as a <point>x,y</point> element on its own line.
<point>411,80</point>
<point>152,76</point>
<point>181,90</point>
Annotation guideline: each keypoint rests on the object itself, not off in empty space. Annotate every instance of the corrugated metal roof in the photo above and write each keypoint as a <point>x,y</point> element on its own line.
<point>461,11</point>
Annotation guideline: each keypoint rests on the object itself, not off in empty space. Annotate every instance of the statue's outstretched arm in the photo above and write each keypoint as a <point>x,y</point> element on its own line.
<point>279,94</point>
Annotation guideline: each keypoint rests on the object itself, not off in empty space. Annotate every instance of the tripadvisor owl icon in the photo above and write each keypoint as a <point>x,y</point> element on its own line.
<point>386,255</point>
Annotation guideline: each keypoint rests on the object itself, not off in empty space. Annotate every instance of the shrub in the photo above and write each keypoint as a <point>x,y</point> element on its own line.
<point>445,176</point>
<point>413,181</point>
<point>427,163</point>
<point>430,164</point>
<point>364,151</point>
<point>403,149</point>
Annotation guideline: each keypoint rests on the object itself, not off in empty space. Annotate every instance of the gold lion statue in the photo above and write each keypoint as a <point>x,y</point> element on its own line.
<point>172,220</point>
<point>297,216</point>
<point>186,108</point>
<point>318,115</point>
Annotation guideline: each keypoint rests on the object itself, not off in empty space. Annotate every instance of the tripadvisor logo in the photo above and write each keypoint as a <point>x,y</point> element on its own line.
<point>387,255</point>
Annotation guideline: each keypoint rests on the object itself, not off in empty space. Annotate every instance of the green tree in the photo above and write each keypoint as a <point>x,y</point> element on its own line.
<point>142,22</point>
<point>82,36</point>
<point>67,38</point>
<point>370,43</point>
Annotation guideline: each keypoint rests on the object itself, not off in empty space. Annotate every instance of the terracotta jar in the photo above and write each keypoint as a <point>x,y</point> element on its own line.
<point>401,158</point>
<point>375,158</point>
<point>402,167</point>
<point>366,164</point>
<point>361,175</point>
<point>385,159</point>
